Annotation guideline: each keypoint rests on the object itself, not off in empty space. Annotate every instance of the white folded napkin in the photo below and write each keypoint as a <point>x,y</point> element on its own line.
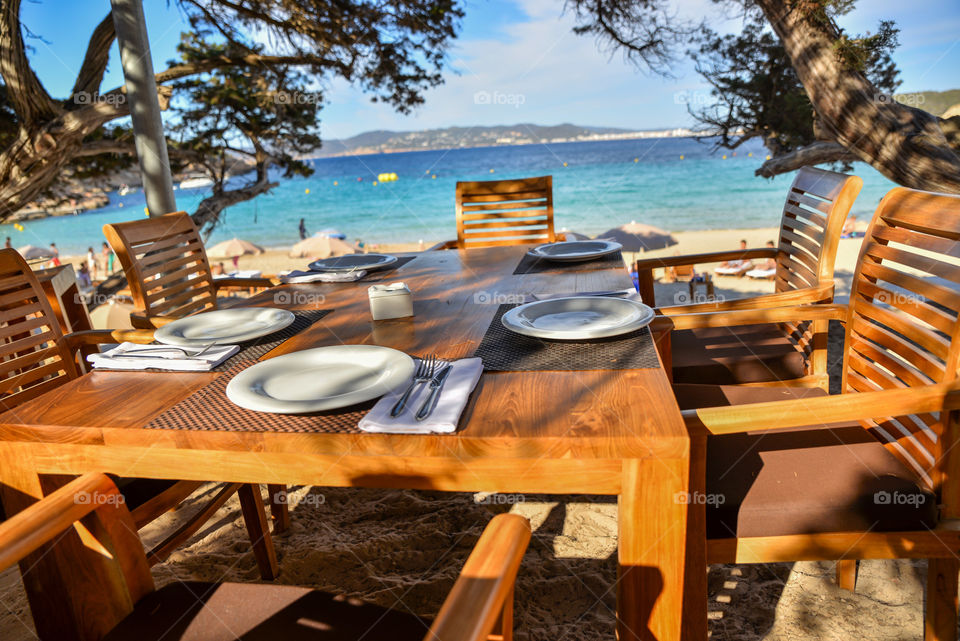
<point>173,359</point>
<point>299,277</point>
<point>456,391</point>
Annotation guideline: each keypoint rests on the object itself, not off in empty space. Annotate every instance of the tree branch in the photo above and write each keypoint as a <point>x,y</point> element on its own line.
<point>95,61</point>
<point>97,147</point>
<point>27,96</point>
<point>813,154</point>
<point>191,68</point>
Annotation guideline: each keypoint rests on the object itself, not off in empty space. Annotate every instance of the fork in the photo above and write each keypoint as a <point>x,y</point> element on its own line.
<point>152,353</point>
<point>423,373</point>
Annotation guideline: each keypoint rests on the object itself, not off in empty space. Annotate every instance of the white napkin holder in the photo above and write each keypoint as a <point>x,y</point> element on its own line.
<point>390,301</point>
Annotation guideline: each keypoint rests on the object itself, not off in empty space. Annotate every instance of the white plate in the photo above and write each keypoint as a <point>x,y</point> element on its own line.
<point>224,326</point>
<point>322,378</point>
<point>352,262</point>
<point>575,250</point>
<point>578,317</point>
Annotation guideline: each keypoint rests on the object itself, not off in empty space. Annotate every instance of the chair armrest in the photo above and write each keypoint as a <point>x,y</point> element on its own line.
<point>822,293</point>
<point>220,283</point>
<point>141,321</point>
<point>709,257</point>
<point>486,582</point>
<point>82,342</point>
<point>445,244</point>
<point>735,317</point>
<point>27,530</point>
<point>823,410</point>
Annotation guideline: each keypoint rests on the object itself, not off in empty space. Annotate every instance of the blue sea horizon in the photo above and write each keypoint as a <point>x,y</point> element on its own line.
<point>673,183</point>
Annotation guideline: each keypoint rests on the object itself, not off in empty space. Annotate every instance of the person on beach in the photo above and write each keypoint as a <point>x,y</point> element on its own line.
<point>735,267</point>
<point>55,261</point>
<point>108,256</point>
<point>767,270</point>
<point>8,244</point>
<point>217,270</point>
<point>92,263</point>
<point>303,229</point>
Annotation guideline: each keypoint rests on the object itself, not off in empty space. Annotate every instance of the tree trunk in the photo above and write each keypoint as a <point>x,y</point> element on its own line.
<point>813,154</point>
<point>907,145</point>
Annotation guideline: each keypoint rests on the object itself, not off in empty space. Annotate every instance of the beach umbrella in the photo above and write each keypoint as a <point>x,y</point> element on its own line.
<point>114,315</point>
<point>321,247</point>
<point>637,237</point>
<point>32,252</point>
<point>332,233</point>
<point>234,248</point>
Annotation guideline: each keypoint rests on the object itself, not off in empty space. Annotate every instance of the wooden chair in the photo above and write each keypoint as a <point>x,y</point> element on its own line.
<point>873,472</point>
<point>35,357</point>
<point>505,212</point>
<point>127,606</point>
<point>167,269</point>
<point>817,204</point>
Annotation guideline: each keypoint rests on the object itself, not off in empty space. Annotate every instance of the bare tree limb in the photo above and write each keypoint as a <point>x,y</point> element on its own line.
<point>97,147</point>
<point>26,94</point>
<point>95,61</point>
<point>192,68</point>
<point>813,154</point>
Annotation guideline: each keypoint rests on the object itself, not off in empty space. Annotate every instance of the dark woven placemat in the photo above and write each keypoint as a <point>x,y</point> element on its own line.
<point>506,351</point>
<point>253,350</point>
<point>209,409</point>
<point>533,265</point>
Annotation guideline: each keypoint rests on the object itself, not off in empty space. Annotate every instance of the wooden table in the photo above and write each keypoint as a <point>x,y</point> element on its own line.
<point>560,432</point>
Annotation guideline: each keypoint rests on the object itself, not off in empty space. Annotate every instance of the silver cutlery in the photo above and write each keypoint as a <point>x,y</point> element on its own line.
<point>152,353</point>
<point>436,385</point>
<point>423,373</point>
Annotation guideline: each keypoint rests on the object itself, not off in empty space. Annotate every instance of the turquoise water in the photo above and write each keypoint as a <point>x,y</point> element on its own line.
<point>601,187</point>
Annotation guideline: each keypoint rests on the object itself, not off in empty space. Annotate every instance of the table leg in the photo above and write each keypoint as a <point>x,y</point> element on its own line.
<point>662,587</point>
<point>255,518</point>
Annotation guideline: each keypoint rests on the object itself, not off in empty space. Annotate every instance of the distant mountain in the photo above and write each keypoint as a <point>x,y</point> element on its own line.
<point>380,141</point>
<point>935,102</point>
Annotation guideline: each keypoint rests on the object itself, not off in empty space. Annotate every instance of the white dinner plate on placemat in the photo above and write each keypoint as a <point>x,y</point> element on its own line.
<point>322,378</point>
<point>224,326</point>
<point>576,250</point>
<point>352,262</point>
<point>578,317</point>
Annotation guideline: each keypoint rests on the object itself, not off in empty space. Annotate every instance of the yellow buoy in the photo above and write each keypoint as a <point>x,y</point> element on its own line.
<point>334,183</point>
<point>491,171</point>
<point>146,212</point>
<point>638,160</point>
<point>306,191</point>
<point>434,176</point>
<point>768,157</point>
<point>374,183</point>
<point>750,154</point>
<point>681,156</point>
<point>564,164</point>
<point>724,156</point>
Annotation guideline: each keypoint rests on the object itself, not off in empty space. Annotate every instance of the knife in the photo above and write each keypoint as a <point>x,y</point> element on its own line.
<point>435,386</point>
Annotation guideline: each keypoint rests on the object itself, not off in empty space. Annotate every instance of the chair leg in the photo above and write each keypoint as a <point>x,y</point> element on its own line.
<point>940,623</point>
<point>847,574</point>
<point>278,508</point>
<point>255,517</point>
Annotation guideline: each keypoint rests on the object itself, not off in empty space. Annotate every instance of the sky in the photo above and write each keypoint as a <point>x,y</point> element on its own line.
<point>514,61</point>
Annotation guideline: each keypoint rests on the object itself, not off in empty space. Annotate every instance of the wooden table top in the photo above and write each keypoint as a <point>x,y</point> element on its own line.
<point>571,415</point>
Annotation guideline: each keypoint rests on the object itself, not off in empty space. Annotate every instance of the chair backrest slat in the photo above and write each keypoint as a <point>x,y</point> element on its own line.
<point>165,264</point>
<point>505,212</point>
<point>903,328</point>
<point>33,359</point>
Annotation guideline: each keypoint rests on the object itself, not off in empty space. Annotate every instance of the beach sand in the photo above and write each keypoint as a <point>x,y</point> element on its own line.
<point>404,548</point>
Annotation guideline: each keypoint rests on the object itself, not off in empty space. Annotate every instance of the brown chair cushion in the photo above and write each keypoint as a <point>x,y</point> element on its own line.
<point>734,355</point>
<point>196,611</point>
<point>804,480</point>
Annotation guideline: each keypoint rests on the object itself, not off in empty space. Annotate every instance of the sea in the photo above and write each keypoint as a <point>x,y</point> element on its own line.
<point>672,183</point>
